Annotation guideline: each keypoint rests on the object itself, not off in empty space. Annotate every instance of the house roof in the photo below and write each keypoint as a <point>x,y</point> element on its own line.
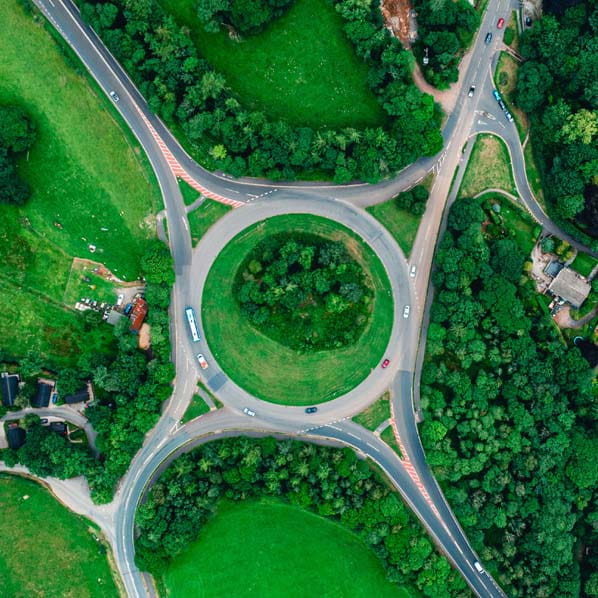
<point>138,314</point>
<point>78,397</point>
<point>570,286</point>
<point>9,388</point>
<point>553,268</point>
<point>114,317</point>
<point>42,396</point>
<point>16,437</point>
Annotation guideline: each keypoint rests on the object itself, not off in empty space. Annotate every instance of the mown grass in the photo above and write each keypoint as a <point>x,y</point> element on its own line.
<point>272,371</point>
<point>46,550</point>
<point>301,68</point>
<point>583,263</point>
<point>268,549</point>
<point>196,408</point>
<point>401,224</point>
<point>375,414</point>
<point>489,167</point>
<point>203,217</point>
<point>189,194</point>
<point>91,185</point>
<point>505,77</point>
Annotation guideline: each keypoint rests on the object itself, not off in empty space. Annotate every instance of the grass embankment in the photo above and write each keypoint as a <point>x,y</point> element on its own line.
<point>196,408</point>
<point>284,551</point>
<point>401,224</point>
<point>388,436</point>
<point>46,550</point>
<point>269,370</point>
<point>301,68</point>
<point>203,217</point>
<point>89,187</point>
<point>375,414</point>
<point>489,167</point>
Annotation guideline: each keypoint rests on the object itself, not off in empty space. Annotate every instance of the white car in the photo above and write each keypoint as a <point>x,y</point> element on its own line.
<point>406,311</point>
<point>114,96</point>
<point>202,361</point>
<point>412,272</point>
<point>120,300</point>
<point>249,412</point>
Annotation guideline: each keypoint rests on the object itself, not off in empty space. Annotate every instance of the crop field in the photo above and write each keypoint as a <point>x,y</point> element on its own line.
<point>45,550</point>
<point>268,369</point>
<point>284,551</point>
<point>301,68</point>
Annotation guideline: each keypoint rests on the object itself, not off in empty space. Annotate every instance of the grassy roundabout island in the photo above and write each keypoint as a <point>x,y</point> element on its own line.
<point>270,358</point>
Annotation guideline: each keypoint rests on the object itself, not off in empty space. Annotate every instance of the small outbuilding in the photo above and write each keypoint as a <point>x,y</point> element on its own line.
<point>570,286</point>
<point>78,397</point>
<point>42,396</point>
<point>138,313</point>
<point>59,427</point>
<point>15,437</point>
<point>9,388</point>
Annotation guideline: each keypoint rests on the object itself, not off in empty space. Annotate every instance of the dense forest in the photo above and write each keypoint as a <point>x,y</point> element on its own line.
<point>130,386</point>
<point>330,482</point>
<point>445,29</point>
<point>511,427</point>
<point>558,87</point>
<point>248,16</point>
<point>186,91</point>
<point>17,135</point>
<point>304,291</point>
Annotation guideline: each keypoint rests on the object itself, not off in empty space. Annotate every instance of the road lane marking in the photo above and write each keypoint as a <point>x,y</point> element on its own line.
<point>373,447</point>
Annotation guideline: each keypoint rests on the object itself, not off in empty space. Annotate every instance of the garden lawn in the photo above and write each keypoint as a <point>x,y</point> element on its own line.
<point>203,217</point>
<point>583,263</point>
<point>271,550</point>
<point>489,167</point>
<point>272,371</point>
<point>45,550</point>
<point>301,68</point>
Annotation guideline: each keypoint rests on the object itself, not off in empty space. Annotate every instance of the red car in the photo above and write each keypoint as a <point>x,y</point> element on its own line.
<point>385,363</point>
<point>501,23</point>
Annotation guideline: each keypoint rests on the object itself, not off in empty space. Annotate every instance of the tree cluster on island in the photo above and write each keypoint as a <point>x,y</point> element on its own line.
<point>332,483</point>
<point>17,136</point>
<point>129,386</point>
<point>557,87</point>
<point>304,291</point>
<point>184,89</point>
<point>414,200</point>
<point>510,428</point>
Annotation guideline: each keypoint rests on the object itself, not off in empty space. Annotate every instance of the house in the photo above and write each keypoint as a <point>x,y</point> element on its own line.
<point>570,286</point>
<point>9,388</point>
<point>138,313</point>
<point>42,396</point>
<point>553,268</point>
<point>16,437</point>
<point>78,397</point>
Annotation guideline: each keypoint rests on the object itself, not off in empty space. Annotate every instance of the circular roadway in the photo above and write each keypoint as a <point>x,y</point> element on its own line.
<point>358,221</point>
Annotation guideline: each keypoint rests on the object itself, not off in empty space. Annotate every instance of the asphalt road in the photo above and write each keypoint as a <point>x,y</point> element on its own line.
<point>411,475</point>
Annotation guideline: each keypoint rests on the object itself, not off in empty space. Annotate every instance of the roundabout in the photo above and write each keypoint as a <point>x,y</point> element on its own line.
<point>383,256</point>
<point>275,371</point>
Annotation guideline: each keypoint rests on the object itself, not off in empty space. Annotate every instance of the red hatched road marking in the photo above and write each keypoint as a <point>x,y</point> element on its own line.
<point>180,172</point>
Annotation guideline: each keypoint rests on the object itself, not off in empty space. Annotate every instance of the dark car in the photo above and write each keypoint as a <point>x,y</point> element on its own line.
<point>385,363</point>
<point>502,105</point>
<point>528,21</point>
<point>488,38</point>
<point>471,91</point>
<point>311,410</point>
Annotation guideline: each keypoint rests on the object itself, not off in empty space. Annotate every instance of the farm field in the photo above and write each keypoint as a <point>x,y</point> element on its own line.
<point>300,69</point>
<point>90,185</point>
<point>270,562</point>
<point>277,373</point>
<point>46,550</point>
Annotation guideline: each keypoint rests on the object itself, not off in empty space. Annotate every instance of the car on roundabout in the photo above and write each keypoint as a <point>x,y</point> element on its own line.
<point>202,361</point>
<point>311,410</point>
<point>385,363</point>
<point>406,311</point>
<point>501,23</point>
<point>248,411</point>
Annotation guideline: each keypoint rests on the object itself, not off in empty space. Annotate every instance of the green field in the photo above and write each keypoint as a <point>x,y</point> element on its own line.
<point>301,68</point>
<point>45,550</point>
<point>269,370</point>
<point>203,217</point>
<point>86,176</point>
<point>271,550</point>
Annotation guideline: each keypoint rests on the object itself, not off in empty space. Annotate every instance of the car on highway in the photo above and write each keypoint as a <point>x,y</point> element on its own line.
<point>471,91</point>
<point>202,361</point>
<point>114,96</point>
<point>385,363</point>
<point>501,23</point>
<point>478,567</point>
<point>412,272</point>
<point>496,95</point>
<point>509,116</point>
<point>248,411</point>
<point>488,38</point>
<point>311,410</point>
<point>406,311</point>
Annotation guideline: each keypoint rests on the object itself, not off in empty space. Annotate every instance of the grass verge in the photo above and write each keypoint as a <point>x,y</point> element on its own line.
<point>196,408</point>
<point>189,194</point>
<point>388,436</point>
<point>375,414</point>
<point>268,549</point>
<point>401,224</point>
<point>46,550</point>
<point>269,370</point>
<point>533,174</point>
<point>301,68</point>
<point>203,217</point>
<point>489,167</point>
<point>505,78</point>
